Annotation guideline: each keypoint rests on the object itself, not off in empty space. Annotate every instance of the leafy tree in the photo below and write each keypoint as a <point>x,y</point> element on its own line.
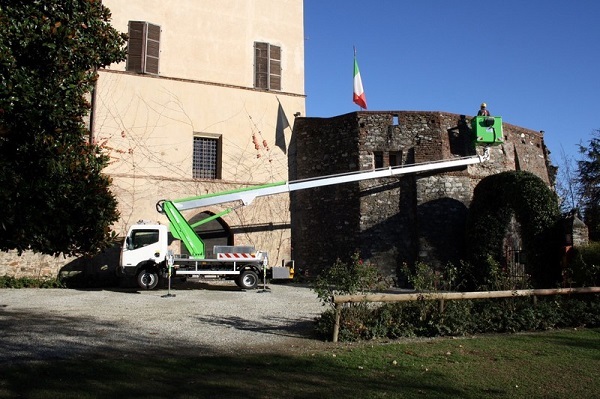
<point>54,196</point>
<point>589,185</point>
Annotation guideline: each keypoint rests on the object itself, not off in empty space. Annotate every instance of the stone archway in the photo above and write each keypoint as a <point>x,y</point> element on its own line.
<point>215,232</point>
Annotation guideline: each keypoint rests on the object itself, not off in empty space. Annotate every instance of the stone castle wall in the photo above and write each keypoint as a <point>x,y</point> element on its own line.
<point>402,219</point>
<point>30,265</point>
<point>98,270</point>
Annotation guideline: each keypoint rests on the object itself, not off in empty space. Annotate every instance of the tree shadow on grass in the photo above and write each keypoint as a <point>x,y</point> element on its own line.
<point>247,376</point>
<point>579,345</point>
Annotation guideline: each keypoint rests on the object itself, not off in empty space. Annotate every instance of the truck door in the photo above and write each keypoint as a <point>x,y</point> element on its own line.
<point>141,245</point>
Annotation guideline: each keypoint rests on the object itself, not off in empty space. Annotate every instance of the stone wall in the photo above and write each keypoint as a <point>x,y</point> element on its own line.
<point>576,232</point>
<point>99,270</point>
<point>30,265</point>
<point>400,219</point>
<point>321,154</point>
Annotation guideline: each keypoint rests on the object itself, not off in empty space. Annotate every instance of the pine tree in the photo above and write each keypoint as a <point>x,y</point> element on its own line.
<point>589,185</point>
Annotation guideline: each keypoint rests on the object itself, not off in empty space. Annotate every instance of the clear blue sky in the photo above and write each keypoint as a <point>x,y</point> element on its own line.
<point>534,62</point>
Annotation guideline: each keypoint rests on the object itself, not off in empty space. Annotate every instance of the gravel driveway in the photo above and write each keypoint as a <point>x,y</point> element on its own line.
<point>44,324</point>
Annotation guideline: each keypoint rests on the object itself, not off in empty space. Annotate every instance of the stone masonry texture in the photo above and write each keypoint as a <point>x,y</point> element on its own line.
<point>410,218</point>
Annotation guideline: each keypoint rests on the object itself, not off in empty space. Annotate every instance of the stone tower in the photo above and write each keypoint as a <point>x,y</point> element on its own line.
<point>401,219</point>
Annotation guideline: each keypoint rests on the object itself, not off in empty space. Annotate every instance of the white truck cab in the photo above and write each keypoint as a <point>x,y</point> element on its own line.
<point>145,248</point>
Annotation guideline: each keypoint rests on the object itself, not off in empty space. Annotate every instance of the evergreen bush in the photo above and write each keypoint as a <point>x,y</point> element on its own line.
<point>584,268</point>
<point>498,198</point>
<point>29,282</point>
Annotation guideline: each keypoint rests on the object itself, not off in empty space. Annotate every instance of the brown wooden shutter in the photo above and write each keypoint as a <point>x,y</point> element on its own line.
<point>261,65</point>
<point>152,48</point>
<point>274,68</point>
<point>135,46</point>
<point>143,48</point>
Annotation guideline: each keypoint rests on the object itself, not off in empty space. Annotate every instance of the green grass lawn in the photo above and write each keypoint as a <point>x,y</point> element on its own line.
<point>558,364</point>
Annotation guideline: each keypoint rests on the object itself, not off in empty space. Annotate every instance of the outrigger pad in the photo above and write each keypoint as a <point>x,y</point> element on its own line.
<point>487,130</point>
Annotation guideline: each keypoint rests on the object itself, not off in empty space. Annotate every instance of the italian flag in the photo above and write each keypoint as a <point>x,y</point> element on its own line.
<point>359,94</point>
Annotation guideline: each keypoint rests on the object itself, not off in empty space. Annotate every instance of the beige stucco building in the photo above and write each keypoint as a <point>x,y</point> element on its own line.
<point>210,110</point>
<point>205,103</point>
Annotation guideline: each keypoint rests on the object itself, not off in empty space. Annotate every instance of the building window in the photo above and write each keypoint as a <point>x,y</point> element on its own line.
<point>395,158</point>
<point>143,47</point>
<point>267,66</point>
<point>378,159</point>
<point>206,162</point>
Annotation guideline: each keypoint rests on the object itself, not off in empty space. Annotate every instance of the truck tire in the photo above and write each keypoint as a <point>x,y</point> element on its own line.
<point>247,280</point>
<point>147,279</point>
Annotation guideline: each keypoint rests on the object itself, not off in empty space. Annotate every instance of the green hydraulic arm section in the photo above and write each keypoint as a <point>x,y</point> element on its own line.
<point>182,230</point>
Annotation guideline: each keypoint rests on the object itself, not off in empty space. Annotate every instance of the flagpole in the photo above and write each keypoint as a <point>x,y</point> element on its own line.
<point>354,48</point>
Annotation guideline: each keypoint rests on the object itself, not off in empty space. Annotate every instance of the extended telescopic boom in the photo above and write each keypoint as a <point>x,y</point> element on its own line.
<point>248,194</point>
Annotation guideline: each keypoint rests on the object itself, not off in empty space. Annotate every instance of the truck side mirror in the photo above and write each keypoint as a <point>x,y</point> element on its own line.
<point>128,243</point>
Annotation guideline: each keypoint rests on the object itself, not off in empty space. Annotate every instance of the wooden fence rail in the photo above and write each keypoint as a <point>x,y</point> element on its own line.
<point>339,300</point>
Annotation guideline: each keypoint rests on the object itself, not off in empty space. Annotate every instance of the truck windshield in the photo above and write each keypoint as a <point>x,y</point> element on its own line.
<point>141,238</point>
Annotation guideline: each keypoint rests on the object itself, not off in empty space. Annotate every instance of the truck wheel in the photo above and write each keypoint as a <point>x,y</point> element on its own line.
<point>248,280</point>
<point>147,279</point>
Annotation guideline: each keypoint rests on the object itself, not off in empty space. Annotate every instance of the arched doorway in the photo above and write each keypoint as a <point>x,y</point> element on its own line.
<point>514,255</point>
<point>215,232</point>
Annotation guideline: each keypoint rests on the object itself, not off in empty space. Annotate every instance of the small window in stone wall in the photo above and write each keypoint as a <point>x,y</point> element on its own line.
<point>395,158</point>
<point>378,159</point>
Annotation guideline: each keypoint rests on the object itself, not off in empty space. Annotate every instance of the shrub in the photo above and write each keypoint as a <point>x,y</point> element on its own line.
<point>348,278</point>
<point>584,268</point>
<point>425,278</point>
<point>28,282</point>
<point>467,317</point>
<point>426,318</point>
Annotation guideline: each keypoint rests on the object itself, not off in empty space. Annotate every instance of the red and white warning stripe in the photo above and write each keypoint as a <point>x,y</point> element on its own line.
<point>235,256</point>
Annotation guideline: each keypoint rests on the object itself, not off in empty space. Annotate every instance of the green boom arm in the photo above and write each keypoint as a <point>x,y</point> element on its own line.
<point>183,231</point>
